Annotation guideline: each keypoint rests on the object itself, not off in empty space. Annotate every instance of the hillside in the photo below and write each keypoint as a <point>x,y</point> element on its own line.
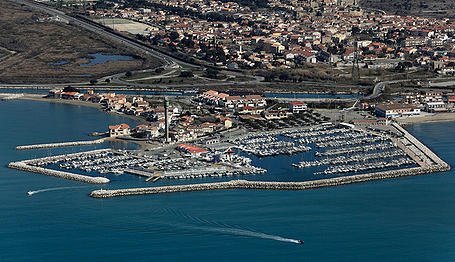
<point>424,8</point>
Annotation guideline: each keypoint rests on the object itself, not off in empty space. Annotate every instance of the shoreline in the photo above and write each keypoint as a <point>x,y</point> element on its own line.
<point>430,118</point>
<point>40,98</point>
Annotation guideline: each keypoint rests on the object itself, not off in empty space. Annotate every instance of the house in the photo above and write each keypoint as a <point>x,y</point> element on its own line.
<point>275,114</point>
<point>297,106</point>
<point>396,110</point>
<point>119,130</point>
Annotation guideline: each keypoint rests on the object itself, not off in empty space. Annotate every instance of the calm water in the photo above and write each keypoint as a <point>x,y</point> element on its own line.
<point>59,62</point>
<point>99,58</point>
<point>408,219</point>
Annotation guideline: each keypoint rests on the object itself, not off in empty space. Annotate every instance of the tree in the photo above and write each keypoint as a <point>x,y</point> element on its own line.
<point>186,74</point>
<point>159,70</point>
<point>174,35</point>
<point>211,73</point>
<point>70,89</point>
<point>128,74</point>
<point>93,81</point>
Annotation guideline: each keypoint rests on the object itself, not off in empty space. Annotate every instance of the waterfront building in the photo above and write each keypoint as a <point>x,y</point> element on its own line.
<point>119,130</point>
<point>396,110</point>
<point>193,150</point>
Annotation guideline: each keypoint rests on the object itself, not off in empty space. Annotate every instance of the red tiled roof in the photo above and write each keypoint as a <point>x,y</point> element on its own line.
<point>121,126</point>
<point>191,149</point>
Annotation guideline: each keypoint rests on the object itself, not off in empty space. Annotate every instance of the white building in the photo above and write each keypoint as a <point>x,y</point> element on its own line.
<point>297,106</point>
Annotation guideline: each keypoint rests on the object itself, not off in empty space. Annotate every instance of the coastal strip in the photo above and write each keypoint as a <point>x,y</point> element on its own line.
<point>262,185</point>
<point>63,144</point>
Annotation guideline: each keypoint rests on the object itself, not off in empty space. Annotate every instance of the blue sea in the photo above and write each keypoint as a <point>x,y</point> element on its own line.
<point>405,219</point>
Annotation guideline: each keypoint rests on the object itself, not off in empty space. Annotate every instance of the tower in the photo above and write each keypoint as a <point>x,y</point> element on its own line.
<point>166,119</point>
<point>355,64</point>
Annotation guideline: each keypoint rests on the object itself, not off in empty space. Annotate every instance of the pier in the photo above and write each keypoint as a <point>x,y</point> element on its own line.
<point>63,144</point>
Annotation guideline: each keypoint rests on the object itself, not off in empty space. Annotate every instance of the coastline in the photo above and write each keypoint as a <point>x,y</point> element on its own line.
<point>427,118</point>
<point>40,98</point>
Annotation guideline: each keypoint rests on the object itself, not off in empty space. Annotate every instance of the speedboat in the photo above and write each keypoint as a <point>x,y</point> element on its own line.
<point>30,193</point>
<point>300,242</point>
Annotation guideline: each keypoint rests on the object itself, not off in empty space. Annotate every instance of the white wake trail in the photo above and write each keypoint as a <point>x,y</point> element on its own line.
<point>247,233</point>
<point>53,189</point>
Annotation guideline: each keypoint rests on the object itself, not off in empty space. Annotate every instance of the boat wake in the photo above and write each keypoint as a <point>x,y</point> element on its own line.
<point>53,189</point>
<point>246,233</point>
<point>235,230</point>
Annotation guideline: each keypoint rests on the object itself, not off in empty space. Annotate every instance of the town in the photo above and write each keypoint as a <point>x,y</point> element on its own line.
<point>285,34</point>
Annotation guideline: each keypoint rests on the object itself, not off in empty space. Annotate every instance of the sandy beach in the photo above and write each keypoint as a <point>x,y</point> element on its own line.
<point>426,118</point>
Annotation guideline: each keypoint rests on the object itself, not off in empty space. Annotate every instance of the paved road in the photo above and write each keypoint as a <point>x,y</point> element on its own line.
<point>379,88</point>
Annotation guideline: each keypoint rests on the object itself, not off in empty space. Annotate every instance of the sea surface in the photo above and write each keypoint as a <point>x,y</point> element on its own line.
<point>405,219</point>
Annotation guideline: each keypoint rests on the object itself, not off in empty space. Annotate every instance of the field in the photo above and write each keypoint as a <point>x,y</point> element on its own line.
<point>427,8</point>
<point>33,41</point>
<point>125,25</point>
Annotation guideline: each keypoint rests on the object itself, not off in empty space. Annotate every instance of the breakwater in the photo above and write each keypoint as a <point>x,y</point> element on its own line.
<point>30,166</point>
<point>63,144</point>
<point>262,185</point>
<point>6,96</point>
<point>66,175</point>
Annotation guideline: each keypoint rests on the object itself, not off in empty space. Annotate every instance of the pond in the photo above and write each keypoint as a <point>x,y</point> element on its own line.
<point>59,62</point>
<point>99,58</point>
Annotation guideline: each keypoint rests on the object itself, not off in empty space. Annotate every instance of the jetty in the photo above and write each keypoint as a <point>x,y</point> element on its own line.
<point>35,166</point>
<point>62,144</point>
<point>8,96</point>
<point>56,173</point>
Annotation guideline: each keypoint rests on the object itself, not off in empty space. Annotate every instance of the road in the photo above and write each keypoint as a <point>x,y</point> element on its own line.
<point>379,88</point>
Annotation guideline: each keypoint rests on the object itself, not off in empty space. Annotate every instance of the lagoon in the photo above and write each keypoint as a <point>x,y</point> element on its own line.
<point>98,58</point>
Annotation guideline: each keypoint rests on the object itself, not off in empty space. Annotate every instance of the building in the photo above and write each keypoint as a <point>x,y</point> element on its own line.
<point>297,106</point>
<point>119,130</point>
<point>193,150</point>
<point>396,110</point>
<point>275,114</point>
<point>436,107</point>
